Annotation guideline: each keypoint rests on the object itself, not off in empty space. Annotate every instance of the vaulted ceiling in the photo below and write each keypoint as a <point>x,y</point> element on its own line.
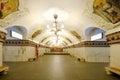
<point>76,15</point>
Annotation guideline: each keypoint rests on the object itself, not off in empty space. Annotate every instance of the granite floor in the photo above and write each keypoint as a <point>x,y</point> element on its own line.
<point>57,67</point>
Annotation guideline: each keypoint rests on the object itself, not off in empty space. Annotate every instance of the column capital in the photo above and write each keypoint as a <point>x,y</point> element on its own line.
<point>2,36</point>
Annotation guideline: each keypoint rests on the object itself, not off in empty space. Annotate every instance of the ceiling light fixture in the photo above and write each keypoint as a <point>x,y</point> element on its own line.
<point>56,28</point>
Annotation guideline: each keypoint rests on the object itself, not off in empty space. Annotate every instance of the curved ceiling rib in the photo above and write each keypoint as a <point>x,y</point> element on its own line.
<point>45,39</point>
<point>48,36</point>
<point>51,38</point>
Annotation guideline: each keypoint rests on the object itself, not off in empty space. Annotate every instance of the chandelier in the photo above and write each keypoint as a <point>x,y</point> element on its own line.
<point>56,27</point>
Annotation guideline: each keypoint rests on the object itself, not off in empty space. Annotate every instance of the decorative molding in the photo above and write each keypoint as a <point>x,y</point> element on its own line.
<point>36,33</point>
<point>94,44</point>
<point>113,38</point>
<point>2,36</point>
<point>43,46</point>
<point>108,10</point>
<point>90,44</point>
<point>19,43</point>
<point>76,34</point>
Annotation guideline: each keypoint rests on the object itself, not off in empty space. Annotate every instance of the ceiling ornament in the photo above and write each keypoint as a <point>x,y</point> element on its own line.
<point>36,33</point>
<point>7,7</point>
<point>108,10</point>
<point>76,34</point>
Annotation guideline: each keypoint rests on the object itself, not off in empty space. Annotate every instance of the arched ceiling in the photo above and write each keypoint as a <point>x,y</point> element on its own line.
<point>76,15</point>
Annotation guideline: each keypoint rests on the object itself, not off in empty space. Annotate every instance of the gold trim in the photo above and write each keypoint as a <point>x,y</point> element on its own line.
<point>113,38</point>
<point>19,43</point>
<point>90,44</point>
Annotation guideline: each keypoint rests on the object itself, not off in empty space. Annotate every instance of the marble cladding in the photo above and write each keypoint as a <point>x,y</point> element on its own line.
<point>18,53</point>
<point>114,41</point>
<point>19,50</point>
<point>90,51</point>
<point>91,54</point>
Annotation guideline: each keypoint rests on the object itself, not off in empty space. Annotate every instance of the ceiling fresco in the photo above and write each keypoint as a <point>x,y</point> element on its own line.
<point>108,9</point>
<point>7,7</point>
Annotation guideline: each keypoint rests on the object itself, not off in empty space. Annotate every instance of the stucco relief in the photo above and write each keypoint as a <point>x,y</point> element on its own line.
<point>36,33</point>
<point>75,34</point>
<point>21,50</point>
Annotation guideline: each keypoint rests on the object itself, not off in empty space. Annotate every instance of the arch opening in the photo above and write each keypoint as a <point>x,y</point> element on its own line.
<point>95,34</point>
<point>16,32</point>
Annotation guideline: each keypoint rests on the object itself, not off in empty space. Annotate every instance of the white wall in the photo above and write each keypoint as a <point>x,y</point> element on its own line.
<point>18,53</point>
<point>97,54</point>
<point>114,50</point>
<point>31,52</point>
<point>115,56</point>
<point>91,54</point>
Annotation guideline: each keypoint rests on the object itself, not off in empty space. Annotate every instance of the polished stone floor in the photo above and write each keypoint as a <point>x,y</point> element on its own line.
<point>57,67</point>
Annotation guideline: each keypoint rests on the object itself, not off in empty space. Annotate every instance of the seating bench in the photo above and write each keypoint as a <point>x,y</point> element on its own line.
<point>4,70</point>
<point>112,69</point>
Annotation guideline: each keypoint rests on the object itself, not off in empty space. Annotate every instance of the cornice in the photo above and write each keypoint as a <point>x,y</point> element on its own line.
<point>19,43</point>
<point>113,38</point>
<point>90,44</point>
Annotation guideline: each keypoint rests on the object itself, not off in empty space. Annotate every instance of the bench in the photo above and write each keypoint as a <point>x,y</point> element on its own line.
<point>109,70</point>
<point>4,70</point>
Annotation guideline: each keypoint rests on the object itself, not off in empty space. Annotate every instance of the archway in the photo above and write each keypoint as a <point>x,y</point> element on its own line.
<point>95,34</point>
<point>17,30</point>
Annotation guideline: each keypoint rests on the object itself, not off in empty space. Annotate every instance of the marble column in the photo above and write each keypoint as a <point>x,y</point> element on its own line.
<point>2,39</point>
